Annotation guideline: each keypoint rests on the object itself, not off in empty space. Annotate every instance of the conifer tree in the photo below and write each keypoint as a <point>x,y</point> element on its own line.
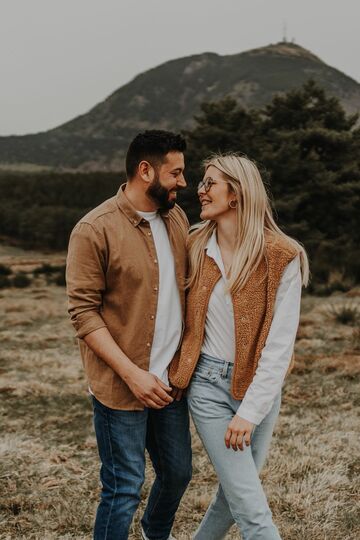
<point>308,152</point>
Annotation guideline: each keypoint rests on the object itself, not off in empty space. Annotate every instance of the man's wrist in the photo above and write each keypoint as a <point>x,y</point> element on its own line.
<point>129,372</point>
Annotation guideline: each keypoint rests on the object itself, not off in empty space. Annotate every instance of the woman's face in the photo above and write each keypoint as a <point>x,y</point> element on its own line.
<point>214,195</point>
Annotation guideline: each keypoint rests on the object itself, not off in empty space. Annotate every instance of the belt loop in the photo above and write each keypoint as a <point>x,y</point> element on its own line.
<point>225,369</point>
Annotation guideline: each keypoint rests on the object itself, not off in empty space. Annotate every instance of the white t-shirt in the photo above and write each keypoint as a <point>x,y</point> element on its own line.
<point>168,322</point>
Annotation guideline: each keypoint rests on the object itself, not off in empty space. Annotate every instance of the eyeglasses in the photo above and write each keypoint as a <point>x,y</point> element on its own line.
<point>207,183</point>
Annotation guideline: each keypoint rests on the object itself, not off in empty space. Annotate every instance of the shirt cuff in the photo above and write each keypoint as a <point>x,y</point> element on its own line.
<point>250,416</point>
<point>87,324</point>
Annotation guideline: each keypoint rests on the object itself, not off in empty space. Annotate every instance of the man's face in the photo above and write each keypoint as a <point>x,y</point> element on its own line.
<point>168,179</point>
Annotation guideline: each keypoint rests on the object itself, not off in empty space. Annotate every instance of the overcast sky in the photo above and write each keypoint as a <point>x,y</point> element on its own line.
<point>58,58</point>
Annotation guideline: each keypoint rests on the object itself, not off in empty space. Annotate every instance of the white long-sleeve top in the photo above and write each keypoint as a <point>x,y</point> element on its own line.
<point>275,358</point>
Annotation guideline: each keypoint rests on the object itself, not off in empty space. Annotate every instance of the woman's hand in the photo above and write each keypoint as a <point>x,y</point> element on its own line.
<point>238,430</point>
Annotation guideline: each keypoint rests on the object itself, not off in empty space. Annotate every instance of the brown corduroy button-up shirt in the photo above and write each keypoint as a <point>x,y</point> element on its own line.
<point>113,281</point>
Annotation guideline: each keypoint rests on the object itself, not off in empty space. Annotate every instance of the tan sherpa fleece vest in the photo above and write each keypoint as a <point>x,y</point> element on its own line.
<point>253,312</point>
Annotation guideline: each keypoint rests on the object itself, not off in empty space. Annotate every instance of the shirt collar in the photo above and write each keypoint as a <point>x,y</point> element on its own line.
<point>129,210</point>
<point>213,251</point>
<point>212,246</point>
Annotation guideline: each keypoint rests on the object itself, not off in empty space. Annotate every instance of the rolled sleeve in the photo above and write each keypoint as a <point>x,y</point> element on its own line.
<point>85,279</point>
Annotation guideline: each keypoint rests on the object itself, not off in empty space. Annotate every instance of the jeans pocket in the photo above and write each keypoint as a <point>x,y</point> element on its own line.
<point>204,374</point>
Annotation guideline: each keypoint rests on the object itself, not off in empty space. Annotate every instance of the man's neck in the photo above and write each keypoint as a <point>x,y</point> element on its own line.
<point>139,199</point>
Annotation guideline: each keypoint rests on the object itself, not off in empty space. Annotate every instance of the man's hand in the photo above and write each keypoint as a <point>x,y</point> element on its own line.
<point>149,389</point>
<point>177,393</point>
<point>238,430</point>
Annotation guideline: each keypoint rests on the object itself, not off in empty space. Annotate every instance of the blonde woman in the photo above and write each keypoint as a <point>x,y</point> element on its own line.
<point>242,316</point>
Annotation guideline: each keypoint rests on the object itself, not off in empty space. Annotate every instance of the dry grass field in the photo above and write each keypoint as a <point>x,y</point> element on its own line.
<point>49,466</point>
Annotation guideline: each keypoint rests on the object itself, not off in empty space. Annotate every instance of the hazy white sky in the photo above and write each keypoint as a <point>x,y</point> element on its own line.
<point>58,58</point>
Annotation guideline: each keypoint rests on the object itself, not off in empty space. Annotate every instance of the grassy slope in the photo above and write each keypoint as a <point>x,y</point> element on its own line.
<point>49,464</point>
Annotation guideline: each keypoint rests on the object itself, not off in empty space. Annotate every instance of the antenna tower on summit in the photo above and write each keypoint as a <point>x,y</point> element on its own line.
<point>284,32</point>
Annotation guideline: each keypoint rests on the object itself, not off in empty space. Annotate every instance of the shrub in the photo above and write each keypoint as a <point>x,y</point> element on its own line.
<point>45,269</point>
<point>4,282</point>
<point>345,314</point>
<point>60,278</point>
<point>4,270</point>
<point>338,281</point>
<point>318,289</point>
<point>21,280</point>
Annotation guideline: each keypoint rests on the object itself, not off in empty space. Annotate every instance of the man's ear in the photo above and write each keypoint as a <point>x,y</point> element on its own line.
<point>146,171</point>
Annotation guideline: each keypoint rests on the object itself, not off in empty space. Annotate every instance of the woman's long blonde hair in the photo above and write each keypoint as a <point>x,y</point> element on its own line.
<point>253,217</point>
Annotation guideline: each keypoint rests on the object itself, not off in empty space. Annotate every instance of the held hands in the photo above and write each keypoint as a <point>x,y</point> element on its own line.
<point>149,389</point>
<point>238,430</point>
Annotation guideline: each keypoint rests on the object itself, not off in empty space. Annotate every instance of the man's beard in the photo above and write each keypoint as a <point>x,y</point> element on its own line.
<point>160,195</point>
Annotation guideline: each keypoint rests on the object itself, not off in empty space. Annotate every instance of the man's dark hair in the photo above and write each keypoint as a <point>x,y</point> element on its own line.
<point>152,146</point>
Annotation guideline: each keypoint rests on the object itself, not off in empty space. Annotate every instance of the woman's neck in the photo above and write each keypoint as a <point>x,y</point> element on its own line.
<point>226,233</point>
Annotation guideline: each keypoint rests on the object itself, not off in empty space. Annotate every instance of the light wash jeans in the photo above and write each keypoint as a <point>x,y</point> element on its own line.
<point>240,497</point>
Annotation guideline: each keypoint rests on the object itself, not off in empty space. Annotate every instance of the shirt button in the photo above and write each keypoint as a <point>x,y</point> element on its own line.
<point>155,261</point>
<point>149,233</point>
<point>155,288</point>
<point>148,344</point>
<point>152,317</point>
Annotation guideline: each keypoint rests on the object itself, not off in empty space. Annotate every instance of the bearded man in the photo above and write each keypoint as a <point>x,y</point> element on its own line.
<point>126,268</point>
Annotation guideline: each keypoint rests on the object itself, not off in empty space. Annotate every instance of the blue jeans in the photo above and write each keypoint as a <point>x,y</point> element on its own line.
<point>240,497</point>
<point>122,437</point>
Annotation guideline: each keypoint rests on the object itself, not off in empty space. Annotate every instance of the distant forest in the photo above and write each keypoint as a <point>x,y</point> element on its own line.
<point>307,149</point>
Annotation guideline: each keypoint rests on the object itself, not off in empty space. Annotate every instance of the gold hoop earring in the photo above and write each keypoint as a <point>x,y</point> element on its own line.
<point>232,204</point>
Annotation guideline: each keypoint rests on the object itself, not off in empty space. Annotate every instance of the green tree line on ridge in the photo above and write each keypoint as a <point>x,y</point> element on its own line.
<point>306,147</point>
